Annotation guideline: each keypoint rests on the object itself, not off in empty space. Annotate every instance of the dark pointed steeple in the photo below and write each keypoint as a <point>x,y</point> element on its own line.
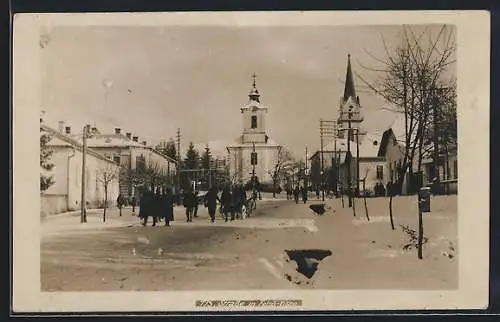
<point>254,92</point>
<point>349,90</point>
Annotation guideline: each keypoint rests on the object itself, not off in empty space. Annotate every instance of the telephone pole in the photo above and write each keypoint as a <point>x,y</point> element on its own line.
<point>178,159</point>
<point>254,161</point>
<point>83,203</point>
<point>349,188</point>
<point>327,130</point>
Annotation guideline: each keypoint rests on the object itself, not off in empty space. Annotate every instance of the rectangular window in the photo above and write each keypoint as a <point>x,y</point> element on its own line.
<point>455,169</point>
<point>253,158</point>
<point>380,172</point>
<point>254,121</point>
<point>116,158</point>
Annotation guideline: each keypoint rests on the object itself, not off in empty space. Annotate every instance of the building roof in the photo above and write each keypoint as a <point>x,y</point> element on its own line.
<point>112,140</point>
<point>118,141</point>
<point>71,142</point>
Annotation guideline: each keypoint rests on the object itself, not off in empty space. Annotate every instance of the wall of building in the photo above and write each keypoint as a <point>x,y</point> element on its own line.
<point>67,176</point>
<point>241,166</point>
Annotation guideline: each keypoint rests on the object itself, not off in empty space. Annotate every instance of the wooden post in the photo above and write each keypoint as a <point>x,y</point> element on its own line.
<point>390,210</point>
<point>364,197</point>
<point>420,232</point>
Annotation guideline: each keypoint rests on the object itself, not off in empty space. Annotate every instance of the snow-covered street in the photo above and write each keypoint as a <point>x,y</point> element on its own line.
<point>255,253</point>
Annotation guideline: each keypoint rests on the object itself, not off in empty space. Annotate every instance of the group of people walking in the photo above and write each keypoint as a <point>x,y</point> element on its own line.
<point>297,193</point>
<point>157,204</point>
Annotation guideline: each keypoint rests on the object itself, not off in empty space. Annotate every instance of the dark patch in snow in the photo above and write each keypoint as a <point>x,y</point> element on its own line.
<point>318,208</point>
<point>308,259</point>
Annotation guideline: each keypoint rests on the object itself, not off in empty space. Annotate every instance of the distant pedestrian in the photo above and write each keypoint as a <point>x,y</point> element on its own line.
<point>304,194</point>
<point>120,201</point>
<point>227,204</point>
<point>195,203</point>
<point>211,199</point>
<point>168,206</point>
<point>189,199</point>
<point>296,193</point>
<point>145,205</point>
<point>134,203</point>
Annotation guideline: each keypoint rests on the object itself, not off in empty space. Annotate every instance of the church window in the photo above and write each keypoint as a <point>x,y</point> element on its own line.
<point>380,172</point>
<point>455,169</point>
<point>254,121</point>
<point>253,158</point>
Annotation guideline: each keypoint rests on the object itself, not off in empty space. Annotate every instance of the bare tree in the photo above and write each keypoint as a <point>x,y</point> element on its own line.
<point>364,192</point>
<point>408,78</point>
<point>107,174</point>
<point>282,166</point>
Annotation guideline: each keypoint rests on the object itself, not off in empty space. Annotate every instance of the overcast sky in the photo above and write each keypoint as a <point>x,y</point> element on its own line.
<point>197,78</point>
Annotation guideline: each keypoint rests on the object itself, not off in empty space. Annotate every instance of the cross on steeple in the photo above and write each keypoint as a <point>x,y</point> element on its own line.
<point>254,92</point>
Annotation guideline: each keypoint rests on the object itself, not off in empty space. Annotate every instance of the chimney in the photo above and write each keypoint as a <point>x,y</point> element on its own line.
<point>135,139</point>
<point>117,130</point>
<point>68,130</point>
<point>144,143</point>
<point>129,136</point>
<point>61,126</point>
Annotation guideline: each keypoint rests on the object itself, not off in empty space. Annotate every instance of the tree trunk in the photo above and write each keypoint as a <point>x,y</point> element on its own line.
<point>364,197</point>
<point>105,202</point>
<point>390,210</point>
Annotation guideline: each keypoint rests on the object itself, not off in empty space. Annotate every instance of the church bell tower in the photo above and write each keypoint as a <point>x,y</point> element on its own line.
<point>350,107</point>
<point>254,117</point>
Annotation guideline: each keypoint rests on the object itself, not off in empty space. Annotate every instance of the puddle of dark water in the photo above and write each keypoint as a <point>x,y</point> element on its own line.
<point>319,208</point>
<point>308,259</point>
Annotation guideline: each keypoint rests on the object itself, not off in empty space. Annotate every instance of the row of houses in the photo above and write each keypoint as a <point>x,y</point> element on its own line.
<point>380,153</point>
<point>106,153</point>
<point>380,158</point>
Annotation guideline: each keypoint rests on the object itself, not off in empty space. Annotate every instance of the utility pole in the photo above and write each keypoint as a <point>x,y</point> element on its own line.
<point>305,172</point>
<point>435,140</point>
<point>83,203</point>
<point>254,161</point>
<point>357,160</point>
<point>349,190</point>
<point>178,159</point>
<point>327,130</point>
<point>322,161</point>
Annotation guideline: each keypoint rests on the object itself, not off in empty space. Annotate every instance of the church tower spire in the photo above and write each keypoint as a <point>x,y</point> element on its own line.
<point>349,108</point>
<point>254,94</point>
<point>349,89</point>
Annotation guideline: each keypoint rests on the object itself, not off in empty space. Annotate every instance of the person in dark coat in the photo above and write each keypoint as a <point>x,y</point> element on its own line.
<point>120,201</point>
<point>145,206</point>
<point>189,200</point>
<point>236,201</point>
<point>168,206</point>
<point>211,199</point>
<point>133,201</point>
<point>304,194</point>
<point>195,203</point>
<point>296,193</point>
<point>227,204</point>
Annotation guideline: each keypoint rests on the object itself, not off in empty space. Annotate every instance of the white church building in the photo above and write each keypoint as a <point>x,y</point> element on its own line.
<point>253,140</point>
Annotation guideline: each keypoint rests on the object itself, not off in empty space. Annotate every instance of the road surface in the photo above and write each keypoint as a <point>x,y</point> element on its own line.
<point>252,253</point>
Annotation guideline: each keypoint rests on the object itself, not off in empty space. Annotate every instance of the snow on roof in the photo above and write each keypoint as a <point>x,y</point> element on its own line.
<point>111,140</point>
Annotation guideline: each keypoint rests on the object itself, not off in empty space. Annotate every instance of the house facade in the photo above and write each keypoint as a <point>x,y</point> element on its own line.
<point>65,193</point>
<point>126,150</point>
